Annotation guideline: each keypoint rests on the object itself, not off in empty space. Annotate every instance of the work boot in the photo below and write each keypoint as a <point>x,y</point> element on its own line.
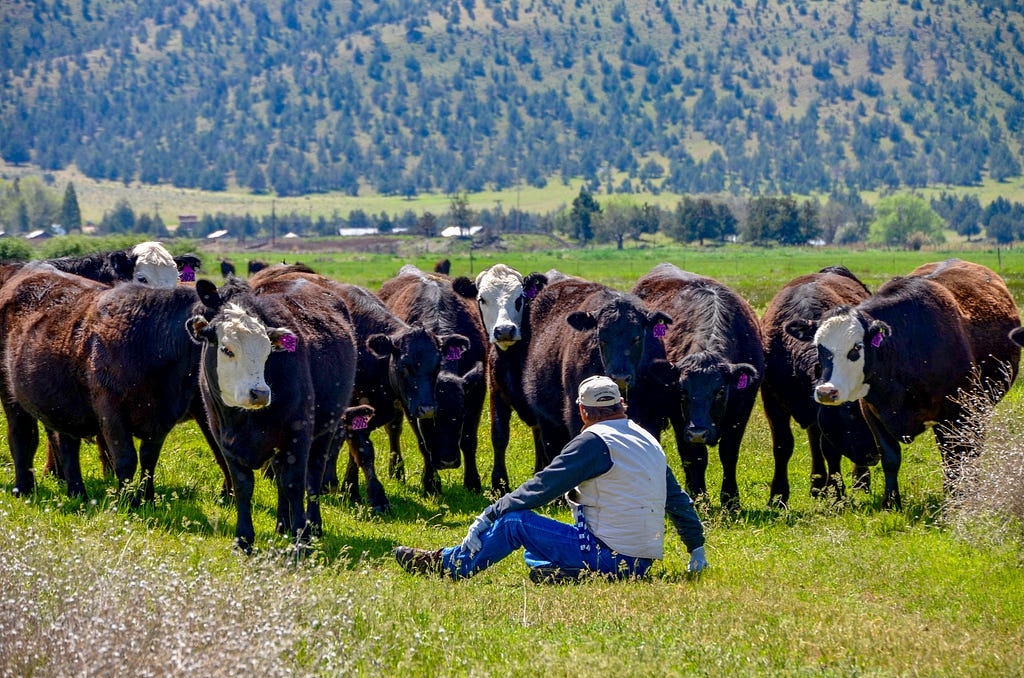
<point>418,561</point>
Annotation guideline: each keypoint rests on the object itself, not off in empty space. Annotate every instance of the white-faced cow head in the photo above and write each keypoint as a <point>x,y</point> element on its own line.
<point>154,265</point>
<point>242,344</point>
<point>502,294</point>
<point>847,342</point>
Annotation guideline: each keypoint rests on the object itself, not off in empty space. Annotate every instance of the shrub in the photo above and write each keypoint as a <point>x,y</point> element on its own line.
<point>14,249</point>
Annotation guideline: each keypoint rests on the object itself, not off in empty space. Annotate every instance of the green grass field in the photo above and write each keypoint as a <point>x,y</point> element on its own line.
<point>817,588</point>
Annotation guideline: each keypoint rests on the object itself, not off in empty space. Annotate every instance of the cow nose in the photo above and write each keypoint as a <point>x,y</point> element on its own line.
<point>696,435</point>
<point>259,396</point>
<point>505,332</point>
<point>426,412</point>
<point>826,394</point>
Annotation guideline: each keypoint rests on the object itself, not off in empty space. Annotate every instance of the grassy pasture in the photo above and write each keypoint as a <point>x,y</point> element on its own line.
<point>820,588</point>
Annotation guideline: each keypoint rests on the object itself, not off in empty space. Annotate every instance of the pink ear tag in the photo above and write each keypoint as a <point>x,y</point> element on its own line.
<point>289,342</point>
<point>359,423</point>
<point>660,330</point>
<point>742,382</point>
<point>530,292</point>
<point>454,353</point>
<point>188,274</point>
<point>876,340</point>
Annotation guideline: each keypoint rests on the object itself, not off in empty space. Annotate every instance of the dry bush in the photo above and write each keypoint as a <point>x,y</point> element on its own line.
<point>131,612</point>
<point>986,498</point>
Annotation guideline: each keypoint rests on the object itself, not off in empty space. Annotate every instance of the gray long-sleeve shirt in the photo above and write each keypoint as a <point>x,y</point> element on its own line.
<point>586,456</point>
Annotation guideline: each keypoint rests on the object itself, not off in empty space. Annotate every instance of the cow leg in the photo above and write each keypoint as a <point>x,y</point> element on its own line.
<point>501,415</point>
<point>149,453</point>
<point>331,481</point>
<point>316,470</point>
<point>468,444</point>
<point>953,456</point>
<point>729,454</point>
<point>695,466</point>
<point>350,484</point>
<point>819,465</point>
<point>363,456</point>
<point>396,465</point>
<point>69,448</point>
<point>290,468</point>
<point>782,450</point>
<point>53,460</point>
<point>243,481</point>
<point>553,439</point>
<point>891,459</point>
<point>431,477</point>
<point>861,476</point>
<point>23,438</point>
<point>198,412</point>
<point>126,461</point>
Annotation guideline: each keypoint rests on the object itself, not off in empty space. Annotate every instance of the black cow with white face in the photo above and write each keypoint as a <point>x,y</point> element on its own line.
<point>791,366</point>
<point>277,372</point>
<point>148,263</point>
<point>907,353</point>
<point>503,297</point>
<point>714,346</point>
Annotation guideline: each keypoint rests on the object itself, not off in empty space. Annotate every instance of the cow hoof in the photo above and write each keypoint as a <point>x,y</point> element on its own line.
<point>244,545</point>
<point>382,510</point>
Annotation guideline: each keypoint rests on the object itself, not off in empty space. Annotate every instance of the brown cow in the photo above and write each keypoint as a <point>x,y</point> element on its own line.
<point>90,360</point>
<point>908,353</point>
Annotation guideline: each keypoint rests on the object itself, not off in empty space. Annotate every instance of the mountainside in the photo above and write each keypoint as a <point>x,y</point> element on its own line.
<point>409,96</point>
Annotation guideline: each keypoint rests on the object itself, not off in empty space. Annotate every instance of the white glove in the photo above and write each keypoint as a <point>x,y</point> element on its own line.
<point>698,561</point>
<point>471,544</point>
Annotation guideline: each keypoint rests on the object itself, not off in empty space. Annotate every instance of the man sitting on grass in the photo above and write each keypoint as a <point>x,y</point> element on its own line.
<point>619,486</point>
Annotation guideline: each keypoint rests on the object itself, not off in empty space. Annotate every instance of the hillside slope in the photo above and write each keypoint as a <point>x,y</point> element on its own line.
<point>408,96</point>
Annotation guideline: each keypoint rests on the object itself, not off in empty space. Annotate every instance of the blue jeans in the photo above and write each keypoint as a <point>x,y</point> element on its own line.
<point>546,543</point>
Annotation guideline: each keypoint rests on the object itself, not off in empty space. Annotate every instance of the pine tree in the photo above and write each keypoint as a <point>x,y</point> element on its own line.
<point>70,213</point>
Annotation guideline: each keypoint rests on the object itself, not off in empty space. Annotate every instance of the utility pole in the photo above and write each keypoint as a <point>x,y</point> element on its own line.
<point>273,222</point>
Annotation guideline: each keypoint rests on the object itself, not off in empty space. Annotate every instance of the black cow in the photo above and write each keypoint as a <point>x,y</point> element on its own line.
<point>429,301</point>
<point>581,329</point>
<point>790,370</point>
<point>715,348</point>
<point>255,266</point>
<point>277,371</point>
<point>503,297</point>
<point>148,263</point>
<point>910,352</point>
<point>188,265</point>
<point>226,268</point>
<point>89,360</point>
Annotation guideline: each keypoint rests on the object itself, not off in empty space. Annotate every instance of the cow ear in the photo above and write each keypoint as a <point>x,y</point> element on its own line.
<point>208,294</point>
<point>581,320</point>
<point>200,329</point>
<point>876,331</point>
<point>533,283</point>
<point>282,339</point>
<point>663,373</point>
<point>801,329</point>
<point>744,375</point>
<point>475,376</point>
<point>464,287</point>
<point>1017,336</point>
<point>122,264</point>
<point>380,345</point>
<point>659,318</point>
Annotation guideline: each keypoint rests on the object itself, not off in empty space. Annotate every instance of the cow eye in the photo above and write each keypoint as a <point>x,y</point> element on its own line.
<point>824,354</point>
<point>519,303</point>
<point>227,351</point>
<point>481,301</point>
<point>142,279</point>
<point>854,354</point>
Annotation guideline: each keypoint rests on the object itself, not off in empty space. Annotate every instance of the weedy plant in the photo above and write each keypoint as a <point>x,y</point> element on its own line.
<point>986,499</point>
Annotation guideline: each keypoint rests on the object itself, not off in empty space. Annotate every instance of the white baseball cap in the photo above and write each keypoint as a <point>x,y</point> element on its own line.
<point>598,392</point>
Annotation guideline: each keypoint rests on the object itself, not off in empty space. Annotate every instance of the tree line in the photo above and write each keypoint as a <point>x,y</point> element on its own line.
<point>903,220</point>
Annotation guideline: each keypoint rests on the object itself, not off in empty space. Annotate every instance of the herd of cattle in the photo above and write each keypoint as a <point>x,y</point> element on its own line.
<point>286,368</point>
